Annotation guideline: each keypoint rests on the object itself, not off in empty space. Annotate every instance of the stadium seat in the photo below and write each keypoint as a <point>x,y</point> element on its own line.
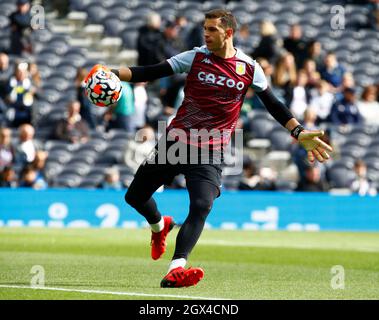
<point>313,19</point>
<point>365,129</point>
<point>168,14</point>
<point>367,55</point>
<point>119,134</point>
<point>41,36</point>
<point>340,177</point>
<point>129,38</point>
<point>4,21</point>
<point>193,15</point>
<point>248,6</point>
<point>4,43</point>
<point>122,3</point>
<point>134,23</point>
<point>96,145</point>
<point>280,140</point>
<point>96,174</point>
<point>85,156</point>
<point>7,8</point>
<point>96,14</point>
<point>298,8</point>
<point>158,5</point>
<point>50,59</point>
<point>353,151</point>
<point>66,180</point>
<point>369,69</point>
<point>261,127</point>
<point>90,183</point>
<point>96,135</point>
<point>52,169</point>
<point>310,32</point>
<point>77,58</point>
<point>109,159</point>
<point>283,28</point>
<point>79,5</point>
<point>60,156</point>
<point>189,5</point>
<point>124,170</point>
<point>109,3</point>
<point>43,134</point>
<point>45,71</point>
<point>230,182</point>
<point>273,7</point>
<point>359,139</point>
<point>261,16</point>
<point>114,153</point>
<point>54,145</point>
<point>371,154</point>
<point>345,163</point>
<point>373,169</point>
<point>61,83</point>
<point>330,44</point>
<point>50,95</point>
<point>58,46</point>
<point>362,80</point>
<point>113,26</point>
<point>143,11</point>
<point>75,167</point>
<point>66,71</point>
<point>285,185</point>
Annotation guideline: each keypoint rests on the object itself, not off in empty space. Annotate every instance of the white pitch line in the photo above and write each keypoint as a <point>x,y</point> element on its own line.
<point>117,293</point>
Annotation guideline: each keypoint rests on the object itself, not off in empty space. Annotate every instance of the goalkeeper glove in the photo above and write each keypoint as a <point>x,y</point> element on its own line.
<point>311,142</point>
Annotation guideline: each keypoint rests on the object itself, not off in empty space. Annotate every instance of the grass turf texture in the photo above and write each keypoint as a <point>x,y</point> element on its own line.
<point>237,264</point>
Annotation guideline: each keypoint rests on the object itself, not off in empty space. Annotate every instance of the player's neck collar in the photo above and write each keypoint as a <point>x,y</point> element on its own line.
<point>227,58</point>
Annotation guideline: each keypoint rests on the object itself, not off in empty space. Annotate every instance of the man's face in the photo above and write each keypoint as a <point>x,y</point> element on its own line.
<point>349,96</point>
<point>24,8</point>
<point>296,32</point>
<point>313,174</point>
<point>214,34</point>
<point>330,60</point>
<point>74,108</point>
<point>361,170</point>
<point>4,61</point>
<point>5,136</point>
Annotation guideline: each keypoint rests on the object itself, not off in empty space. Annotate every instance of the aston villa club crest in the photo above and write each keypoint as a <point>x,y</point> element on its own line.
<point>240,68</point>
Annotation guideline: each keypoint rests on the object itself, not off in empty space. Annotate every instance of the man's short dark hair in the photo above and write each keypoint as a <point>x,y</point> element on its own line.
<point>227,18</point>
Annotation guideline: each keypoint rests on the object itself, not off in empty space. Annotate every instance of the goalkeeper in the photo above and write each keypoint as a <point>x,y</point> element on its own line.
<point>218,76</point>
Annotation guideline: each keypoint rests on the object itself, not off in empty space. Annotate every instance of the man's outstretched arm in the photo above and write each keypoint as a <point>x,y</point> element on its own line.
<point>137,74</point>
<point>310,140</point>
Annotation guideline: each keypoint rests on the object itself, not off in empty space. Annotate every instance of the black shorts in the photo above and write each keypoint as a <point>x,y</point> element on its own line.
<point>153,174</point>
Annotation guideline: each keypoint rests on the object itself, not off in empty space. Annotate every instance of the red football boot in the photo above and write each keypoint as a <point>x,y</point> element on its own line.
<point>180,277</point>
<point>158,239</point>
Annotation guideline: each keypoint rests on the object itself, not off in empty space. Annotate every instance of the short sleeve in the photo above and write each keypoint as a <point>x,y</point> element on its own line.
<point>182,62</point>
<point>259,83</point>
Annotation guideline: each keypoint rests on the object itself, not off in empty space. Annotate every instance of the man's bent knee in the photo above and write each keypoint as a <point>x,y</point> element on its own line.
<point>130,199</point>
<point>202,206</point>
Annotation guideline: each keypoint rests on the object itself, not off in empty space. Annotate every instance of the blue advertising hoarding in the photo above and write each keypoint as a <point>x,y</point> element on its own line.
<point>250,210</point>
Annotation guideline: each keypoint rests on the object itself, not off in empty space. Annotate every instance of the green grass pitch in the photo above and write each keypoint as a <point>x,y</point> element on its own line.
<point>99,263</point>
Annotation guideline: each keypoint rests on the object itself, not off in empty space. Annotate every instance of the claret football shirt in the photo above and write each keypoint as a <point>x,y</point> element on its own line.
<point>213,94</point>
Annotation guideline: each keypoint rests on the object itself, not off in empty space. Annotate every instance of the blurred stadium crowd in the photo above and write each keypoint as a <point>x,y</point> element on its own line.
<point>51,136</point>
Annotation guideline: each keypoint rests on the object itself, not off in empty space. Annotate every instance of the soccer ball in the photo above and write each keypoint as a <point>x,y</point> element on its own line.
<point>103,88</point>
